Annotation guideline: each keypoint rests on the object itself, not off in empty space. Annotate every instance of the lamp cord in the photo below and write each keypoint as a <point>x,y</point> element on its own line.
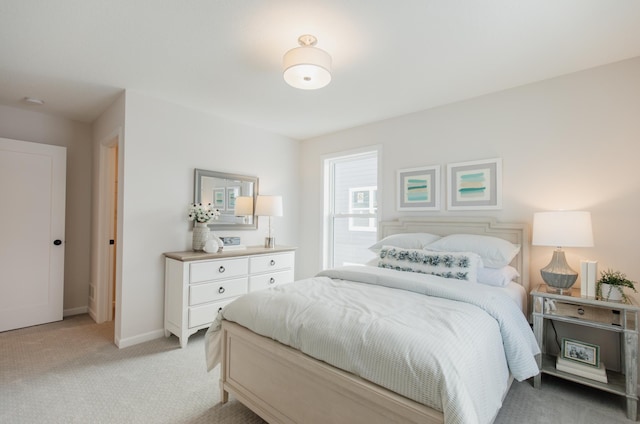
<point>555,333</point>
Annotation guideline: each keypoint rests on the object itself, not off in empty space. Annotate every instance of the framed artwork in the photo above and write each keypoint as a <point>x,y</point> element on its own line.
<point>232,194</point>
<point>219,198</point>
<point>585,353</point>
<point>419,189</point>
<point>474,185</point>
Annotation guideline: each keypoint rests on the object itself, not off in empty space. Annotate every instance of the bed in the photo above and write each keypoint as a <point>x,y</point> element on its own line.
<point>334,377</point>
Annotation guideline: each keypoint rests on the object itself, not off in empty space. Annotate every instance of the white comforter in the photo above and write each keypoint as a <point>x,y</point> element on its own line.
<point>445,343</point>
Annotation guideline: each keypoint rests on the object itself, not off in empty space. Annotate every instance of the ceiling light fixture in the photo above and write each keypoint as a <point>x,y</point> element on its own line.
<point>307,67</point>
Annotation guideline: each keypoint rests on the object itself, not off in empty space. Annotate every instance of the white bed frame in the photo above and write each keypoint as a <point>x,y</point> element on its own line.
<point>282,385</point>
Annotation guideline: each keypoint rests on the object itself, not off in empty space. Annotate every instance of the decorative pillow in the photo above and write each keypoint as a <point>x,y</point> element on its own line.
<point>457,265</point>
<point>407,241</point>
<point>498,277</point>
<point>495,252</point>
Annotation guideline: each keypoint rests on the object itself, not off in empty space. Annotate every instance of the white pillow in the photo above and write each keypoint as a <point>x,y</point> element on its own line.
<point>456,265</point>
<point>498,277</point>
<point>407,241</point>
<point>495,252</point>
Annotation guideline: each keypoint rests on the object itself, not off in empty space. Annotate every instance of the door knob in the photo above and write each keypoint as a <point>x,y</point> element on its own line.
<point>57,242</point>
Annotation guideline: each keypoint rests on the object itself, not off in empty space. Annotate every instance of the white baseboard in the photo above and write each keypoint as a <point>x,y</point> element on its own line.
<point>75,311</point>
<point>130,341</point>
<point>92,314</point>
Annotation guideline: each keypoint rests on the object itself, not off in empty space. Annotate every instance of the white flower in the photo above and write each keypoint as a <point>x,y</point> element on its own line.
<point>202,213</point>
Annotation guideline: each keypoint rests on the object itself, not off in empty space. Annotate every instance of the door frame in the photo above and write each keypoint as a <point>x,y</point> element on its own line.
<point>104,216</point>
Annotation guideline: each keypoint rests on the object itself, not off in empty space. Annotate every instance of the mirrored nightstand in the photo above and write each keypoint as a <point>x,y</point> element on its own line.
<point>621,318</point>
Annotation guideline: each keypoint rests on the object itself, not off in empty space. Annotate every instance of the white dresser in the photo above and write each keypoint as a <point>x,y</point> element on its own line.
<point>198,284</point>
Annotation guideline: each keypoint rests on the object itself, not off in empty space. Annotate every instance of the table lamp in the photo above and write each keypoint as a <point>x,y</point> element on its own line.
<point>243,207</point>
<point>561,229</point>
<point>269,206</point>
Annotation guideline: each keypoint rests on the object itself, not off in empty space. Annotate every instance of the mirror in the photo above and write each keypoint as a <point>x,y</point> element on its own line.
<point>221,190</point>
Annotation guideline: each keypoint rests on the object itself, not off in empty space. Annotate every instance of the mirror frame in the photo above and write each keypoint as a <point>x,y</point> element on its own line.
<point>215,225</point>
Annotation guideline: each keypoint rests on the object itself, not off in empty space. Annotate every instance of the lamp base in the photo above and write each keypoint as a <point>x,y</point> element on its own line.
<point>558,275</point>
<point>269,242</point>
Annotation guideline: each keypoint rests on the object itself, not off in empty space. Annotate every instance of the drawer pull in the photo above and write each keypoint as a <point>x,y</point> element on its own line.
<point>272,280</point>
<point>221,290</point>
<point>272,263</point>
<point>580,311</point>
<point>221,269</point>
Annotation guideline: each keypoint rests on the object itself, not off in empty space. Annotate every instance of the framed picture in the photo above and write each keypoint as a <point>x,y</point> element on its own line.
<point>218,198</point>
<point>585,353</point>
<point>474,185</point>
<point>232,194</point>
<point>419,189</point>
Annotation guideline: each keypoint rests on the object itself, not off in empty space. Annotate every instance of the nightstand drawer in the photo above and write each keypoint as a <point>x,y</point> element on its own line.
<point>209,292</point>
<point>266,263</point>
<point>585,312</point>
<point>215,270</point>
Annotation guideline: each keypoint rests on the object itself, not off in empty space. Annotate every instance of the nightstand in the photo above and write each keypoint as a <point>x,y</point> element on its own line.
<point>621,318</point>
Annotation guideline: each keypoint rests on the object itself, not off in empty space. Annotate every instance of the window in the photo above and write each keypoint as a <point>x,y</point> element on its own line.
<point>363,201</point>
<point>351,208</point>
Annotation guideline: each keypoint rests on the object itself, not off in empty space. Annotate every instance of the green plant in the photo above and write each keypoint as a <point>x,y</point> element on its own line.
<point>615,279</point>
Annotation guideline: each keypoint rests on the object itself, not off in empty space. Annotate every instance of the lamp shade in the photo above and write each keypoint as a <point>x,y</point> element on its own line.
<point>244,206</point>
<point>269,206</point>
<point>562,229</point>
<point>307,67</point>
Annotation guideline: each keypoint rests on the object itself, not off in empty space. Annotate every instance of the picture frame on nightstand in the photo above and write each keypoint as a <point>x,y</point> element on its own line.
<point>581,352</point>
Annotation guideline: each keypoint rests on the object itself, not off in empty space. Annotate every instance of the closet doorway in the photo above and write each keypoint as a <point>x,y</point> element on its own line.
<point>105,294</point>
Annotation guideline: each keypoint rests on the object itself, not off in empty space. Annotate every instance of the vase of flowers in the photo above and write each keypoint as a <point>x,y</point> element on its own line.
<point>201,215</point>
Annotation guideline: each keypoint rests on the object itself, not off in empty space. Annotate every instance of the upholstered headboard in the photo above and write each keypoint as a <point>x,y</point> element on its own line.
<point>517,233</point>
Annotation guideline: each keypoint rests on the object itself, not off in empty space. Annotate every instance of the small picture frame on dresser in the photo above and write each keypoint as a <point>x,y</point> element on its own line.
<point>581,352</point>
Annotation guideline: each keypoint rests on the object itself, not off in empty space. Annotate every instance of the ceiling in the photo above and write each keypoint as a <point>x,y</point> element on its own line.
<point>224,57</point>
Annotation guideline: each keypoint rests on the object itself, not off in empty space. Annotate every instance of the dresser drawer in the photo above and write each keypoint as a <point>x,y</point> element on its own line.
<point>209,292</point>
<point>215,270</point>
<point>585,312</point>
<point>264,281</point>
<point>275,262</point>
<point>205,314</point>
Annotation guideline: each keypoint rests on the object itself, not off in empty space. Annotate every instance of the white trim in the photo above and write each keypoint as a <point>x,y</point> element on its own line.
<point>92,313</point>
<point>104,219</point>
<point>75,311</point>
<point>326,224</point>
<point>141,338</point>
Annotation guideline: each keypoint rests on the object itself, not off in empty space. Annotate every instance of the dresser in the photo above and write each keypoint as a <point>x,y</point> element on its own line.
<point>198,285</point>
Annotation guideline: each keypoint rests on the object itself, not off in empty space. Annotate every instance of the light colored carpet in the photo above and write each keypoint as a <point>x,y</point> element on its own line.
<point>70,372</point>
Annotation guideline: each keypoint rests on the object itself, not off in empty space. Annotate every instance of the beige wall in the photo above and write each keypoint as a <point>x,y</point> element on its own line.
<point>19,124</point>
<point>568,143</point>
<point>571,142</point>
<point>161,146</point>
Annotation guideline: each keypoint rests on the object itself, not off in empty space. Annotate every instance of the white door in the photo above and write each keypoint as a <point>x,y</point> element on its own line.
<point>32,209</point>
